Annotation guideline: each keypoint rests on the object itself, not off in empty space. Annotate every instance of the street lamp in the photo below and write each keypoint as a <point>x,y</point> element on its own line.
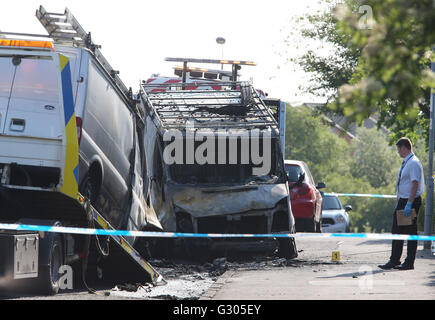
<point>221,41</point>
<point>430,181</point>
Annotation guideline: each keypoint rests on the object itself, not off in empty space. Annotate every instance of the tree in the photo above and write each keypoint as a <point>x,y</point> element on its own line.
<point>377,64</point>
<point>374,160</point>
<point>329,59</point>
<point>392,75</point>
<point>309,139</point>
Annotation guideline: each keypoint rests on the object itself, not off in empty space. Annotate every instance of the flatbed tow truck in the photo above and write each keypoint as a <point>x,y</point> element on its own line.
<point>41,191</point>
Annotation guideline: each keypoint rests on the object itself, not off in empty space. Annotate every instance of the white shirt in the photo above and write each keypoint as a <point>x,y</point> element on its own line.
<point>412,171</point>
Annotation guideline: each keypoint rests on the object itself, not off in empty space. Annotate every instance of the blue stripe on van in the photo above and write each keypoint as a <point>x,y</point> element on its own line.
<point>68,98</point>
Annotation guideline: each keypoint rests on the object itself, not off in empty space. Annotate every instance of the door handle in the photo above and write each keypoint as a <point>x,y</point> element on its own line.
<point>17,125</point>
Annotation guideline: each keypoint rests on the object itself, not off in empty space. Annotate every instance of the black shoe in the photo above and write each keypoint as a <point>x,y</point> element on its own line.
<point>389,265</point>
<point>405,266</point>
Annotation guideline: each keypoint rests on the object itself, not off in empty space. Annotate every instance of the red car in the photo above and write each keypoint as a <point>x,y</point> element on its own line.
<point>306,199</point>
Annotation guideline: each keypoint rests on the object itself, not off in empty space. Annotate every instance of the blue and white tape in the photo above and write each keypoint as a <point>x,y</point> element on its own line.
<point>127,233</point>
<point>361,195</point>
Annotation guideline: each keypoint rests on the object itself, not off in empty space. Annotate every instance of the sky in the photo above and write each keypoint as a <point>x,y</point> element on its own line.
<point>136,36</point>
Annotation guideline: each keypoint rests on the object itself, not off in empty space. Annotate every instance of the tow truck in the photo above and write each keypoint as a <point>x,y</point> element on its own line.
<point>41,178</point>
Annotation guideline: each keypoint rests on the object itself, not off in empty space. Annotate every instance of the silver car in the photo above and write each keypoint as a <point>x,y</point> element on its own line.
<point>335,218</point>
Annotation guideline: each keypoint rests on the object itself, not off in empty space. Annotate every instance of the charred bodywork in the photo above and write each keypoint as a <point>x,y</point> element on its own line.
<point>198,147</point>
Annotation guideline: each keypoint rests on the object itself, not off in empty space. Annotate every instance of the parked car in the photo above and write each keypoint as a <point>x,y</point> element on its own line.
<point>335,218</point>
<point>305,197</point>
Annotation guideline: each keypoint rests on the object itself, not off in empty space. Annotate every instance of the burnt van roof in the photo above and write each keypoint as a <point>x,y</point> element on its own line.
<point>208,104</point>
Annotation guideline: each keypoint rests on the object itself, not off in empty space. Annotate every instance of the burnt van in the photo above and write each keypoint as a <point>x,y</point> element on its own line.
<point>215,161</point>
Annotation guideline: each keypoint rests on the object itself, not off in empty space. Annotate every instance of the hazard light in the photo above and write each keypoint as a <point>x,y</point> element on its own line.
<point>26,43</point>
<point>211,61</point>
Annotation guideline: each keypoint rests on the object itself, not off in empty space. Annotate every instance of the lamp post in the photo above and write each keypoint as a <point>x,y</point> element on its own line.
<point>430,183</point>
<point>221,41</point>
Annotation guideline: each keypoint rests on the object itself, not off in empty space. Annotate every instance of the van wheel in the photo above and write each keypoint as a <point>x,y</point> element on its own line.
<point>287,248</point>
<point>90,189</point>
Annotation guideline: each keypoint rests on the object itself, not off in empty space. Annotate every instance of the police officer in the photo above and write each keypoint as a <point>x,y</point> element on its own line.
<point>409,188</point>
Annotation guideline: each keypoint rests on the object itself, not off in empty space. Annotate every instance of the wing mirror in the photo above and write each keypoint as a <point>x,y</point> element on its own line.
<point>348,208</point>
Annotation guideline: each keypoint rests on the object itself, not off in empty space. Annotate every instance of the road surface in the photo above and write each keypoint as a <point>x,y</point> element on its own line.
<point>312,275</point>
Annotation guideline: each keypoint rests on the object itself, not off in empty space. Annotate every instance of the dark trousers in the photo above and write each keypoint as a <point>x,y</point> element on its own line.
<point>397,246</point>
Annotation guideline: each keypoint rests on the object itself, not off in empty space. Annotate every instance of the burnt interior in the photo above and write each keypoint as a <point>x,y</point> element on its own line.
<point>227,173</point>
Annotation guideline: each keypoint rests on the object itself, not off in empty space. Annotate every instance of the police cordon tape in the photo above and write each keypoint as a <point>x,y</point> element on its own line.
<point>127,233</point>
<point>361,195</point>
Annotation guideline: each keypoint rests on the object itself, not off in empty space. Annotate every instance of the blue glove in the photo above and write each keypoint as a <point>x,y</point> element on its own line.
<point>407,211</point>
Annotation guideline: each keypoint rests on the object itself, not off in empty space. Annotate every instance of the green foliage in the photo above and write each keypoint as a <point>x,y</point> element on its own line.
<point>377,64</point>
<point>328,69</point>
<point>373,158</point>
<point>366,166</point>
<point>308,139</point>
<point>393,71</point>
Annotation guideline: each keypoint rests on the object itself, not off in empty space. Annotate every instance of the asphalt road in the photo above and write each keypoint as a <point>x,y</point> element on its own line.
<point>312,275</point>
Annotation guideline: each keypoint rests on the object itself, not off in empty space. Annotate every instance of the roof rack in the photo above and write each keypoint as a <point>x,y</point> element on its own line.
<point>64,28</point>
<point>209,104</point>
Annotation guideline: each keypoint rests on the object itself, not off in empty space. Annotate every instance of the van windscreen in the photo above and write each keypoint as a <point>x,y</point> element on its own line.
<point>229,173</point>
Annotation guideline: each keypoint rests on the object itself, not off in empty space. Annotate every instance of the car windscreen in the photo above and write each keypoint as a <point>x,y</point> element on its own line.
<point>331,203</point>
<point>293,173</point>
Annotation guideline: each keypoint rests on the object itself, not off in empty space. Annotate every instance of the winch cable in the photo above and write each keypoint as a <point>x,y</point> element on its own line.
<point>90,222</point>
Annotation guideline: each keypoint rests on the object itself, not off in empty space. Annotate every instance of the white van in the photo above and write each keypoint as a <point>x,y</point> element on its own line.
<point>38,137</point>
<point>66,126</point>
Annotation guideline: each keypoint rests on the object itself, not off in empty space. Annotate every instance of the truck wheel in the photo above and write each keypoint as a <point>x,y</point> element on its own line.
<point>48,280</point>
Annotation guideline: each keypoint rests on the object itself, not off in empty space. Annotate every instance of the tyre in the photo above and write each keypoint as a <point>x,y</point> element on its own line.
<point>90,189</point>
<point>287,248</point>
<point>319,226</point>
<point>310,225</point>
<point>52,260</point>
